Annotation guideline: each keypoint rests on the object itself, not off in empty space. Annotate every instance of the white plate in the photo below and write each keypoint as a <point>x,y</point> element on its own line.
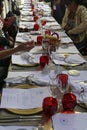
<point>74,72</point>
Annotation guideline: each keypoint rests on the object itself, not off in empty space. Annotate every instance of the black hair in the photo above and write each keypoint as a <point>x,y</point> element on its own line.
<point>67,2</point>
<point>83,2</point>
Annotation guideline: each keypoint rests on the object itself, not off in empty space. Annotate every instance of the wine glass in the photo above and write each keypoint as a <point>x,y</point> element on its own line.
<point>69,102</point>
<point>51,49</point>
<point>63,82</point>
<point>53,87</point>
<point>63,86</point>
<point>53,83</point>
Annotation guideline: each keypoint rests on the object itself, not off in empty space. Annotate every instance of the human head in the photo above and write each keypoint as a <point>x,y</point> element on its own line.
<point>71,5</point>
<point>1,6</point>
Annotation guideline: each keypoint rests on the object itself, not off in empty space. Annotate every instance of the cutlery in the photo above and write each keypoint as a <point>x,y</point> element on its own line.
<point>20,117</point>
<point>9,119</point>
<point>18,120</point>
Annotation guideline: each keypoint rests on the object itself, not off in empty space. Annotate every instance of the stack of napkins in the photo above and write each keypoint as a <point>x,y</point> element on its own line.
<point>38,81</point>
<point>16,80</point>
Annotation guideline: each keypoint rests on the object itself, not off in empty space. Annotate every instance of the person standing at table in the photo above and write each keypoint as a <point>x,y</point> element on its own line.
<point>75,24</point>
<point>58,10</point>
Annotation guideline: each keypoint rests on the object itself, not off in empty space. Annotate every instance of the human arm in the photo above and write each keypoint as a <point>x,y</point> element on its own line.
<point>65,19</point>
<point>81,25</point>
<point>22,47</point>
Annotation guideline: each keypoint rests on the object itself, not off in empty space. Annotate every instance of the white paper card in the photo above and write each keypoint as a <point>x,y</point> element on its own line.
<point>70,121</point>
<point>16,127</point>
<point>23,98</point>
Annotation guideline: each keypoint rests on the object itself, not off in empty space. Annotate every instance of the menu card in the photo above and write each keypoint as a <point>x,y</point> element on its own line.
<point>16,128</point>
<point>23,98</point>
<point>77,121</point>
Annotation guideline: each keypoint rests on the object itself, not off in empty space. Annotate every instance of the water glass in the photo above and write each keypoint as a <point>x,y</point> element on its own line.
<point>63,82</point>
<point>50,106</point>
<point>69,102</point>
<point>36,26</point>
<point>47,32</point>
<point>43,22</point>
<point>53,85</point>
<point>39,40</point>
<point>44,59</point>
<point>35,18</point>
<point>51,49</point>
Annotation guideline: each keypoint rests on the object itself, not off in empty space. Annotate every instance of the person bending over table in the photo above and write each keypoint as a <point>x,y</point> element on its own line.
<point>75,24</point>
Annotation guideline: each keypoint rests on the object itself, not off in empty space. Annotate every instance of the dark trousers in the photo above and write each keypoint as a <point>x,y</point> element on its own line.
<point>82,46</point>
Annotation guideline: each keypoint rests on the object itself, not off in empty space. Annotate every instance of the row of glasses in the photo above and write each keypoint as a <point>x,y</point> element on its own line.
<point>50,105</point>
<point>59,82</point>
<point>59,85</point>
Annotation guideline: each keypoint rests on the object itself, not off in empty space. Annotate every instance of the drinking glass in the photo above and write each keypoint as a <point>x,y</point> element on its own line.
<point>44,59</point>
<point>47,32</point>
<point>51,49</point>
<point>53,87</point>
<point>35,18</point>
<point>63,86</point>
<point>39,40</point>
<point>69,102</point>
<point>49,106</point>
<point>53,84</point>
<point>43,22</point>
<point>63,82</point>
<point>36,26</point>
<point>45,44</point>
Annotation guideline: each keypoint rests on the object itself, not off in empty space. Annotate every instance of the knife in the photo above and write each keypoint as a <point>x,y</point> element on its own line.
<point>20,117</point>
<point>19,120</point>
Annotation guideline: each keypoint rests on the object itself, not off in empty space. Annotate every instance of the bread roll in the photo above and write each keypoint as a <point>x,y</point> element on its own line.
<point>52,39</point>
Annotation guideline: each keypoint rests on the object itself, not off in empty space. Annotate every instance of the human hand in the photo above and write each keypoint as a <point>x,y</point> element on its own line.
<point>25,46</point>
<point>67,27</point>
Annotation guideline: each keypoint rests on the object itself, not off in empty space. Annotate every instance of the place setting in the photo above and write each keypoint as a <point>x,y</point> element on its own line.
<point>26,59</point>
<point>67,59</point>
<point>21,99</point>
<point>68,100</point>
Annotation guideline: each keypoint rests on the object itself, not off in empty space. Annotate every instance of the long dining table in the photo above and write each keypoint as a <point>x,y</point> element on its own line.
<point>20,68</point>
